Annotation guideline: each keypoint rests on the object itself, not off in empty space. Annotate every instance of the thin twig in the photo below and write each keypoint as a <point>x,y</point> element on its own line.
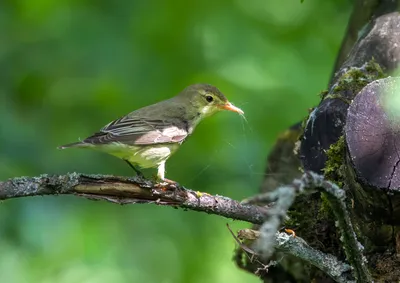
<point>284,198</point>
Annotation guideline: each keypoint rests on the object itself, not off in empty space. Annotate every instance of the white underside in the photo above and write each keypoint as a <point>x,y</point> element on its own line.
<point>148,156</point>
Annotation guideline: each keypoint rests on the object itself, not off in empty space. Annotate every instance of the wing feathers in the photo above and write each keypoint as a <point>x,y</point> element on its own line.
<point>135,131</point>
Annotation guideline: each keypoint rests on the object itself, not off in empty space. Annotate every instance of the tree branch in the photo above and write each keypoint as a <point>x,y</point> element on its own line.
<point>124,190</point>
<point>295,246</point>
<point>284,197</point>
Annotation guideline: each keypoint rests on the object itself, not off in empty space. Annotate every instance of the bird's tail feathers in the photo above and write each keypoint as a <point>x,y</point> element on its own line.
<point>74,144</point>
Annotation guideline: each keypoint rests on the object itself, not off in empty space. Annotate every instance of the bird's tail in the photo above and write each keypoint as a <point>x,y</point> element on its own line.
<point>74,144</point>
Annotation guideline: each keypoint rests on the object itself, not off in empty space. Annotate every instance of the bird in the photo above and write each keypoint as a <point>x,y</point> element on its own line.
<point>148,136</point>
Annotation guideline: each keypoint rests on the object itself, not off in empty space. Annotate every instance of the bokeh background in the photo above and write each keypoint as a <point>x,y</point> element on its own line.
<point>68,67</point>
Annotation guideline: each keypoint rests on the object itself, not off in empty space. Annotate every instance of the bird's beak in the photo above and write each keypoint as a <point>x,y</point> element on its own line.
<point>229,106</point>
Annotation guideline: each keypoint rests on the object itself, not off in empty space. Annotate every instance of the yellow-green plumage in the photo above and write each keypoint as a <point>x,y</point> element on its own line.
<point>146,156</point>
<point>148,136</point>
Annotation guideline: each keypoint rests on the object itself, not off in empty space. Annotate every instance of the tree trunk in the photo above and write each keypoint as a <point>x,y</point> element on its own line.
<point>352,137</point>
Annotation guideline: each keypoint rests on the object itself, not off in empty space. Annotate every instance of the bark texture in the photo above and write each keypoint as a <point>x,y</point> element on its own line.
<point>352,137</point>
<point>130,191</point>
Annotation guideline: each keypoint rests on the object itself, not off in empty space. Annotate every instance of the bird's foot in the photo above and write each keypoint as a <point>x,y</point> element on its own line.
<point>167,184</point>
<point>168,181</point>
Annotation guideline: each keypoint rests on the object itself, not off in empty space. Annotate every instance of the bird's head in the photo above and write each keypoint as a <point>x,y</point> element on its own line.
<point>207,100</point>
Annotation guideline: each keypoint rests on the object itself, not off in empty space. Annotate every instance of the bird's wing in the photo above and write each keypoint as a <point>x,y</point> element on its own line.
<point>136,131</point>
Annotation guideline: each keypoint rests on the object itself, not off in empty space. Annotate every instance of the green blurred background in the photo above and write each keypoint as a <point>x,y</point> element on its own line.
<point>68,67</point>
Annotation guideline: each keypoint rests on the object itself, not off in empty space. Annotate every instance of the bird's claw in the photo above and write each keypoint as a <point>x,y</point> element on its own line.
<point>167,184</point>
<point>168,181</point>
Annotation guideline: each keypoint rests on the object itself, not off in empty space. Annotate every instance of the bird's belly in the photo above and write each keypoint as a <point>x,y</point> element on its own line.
<point>145,156</point>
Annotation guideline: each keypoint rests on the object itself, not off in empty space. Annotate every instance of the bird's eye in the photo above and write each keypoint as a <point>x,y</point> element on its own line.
<point>209,98</point>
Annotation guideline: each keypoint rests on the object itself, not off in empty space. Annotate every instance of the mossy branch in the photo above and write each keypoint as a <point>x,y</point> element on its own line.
<point>284,197</point>
<point>122,190</point>
<point>295,246</point>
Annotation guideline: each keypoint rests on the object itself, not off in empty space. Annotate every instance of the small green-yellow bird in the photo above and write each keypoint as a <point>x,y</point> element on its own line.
<point>147,137</point>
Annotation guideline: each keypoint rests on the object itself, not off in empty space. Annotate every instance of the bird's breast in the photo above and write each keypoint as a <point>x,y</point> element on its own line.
<point>152,156</point>
<point>146,156</point>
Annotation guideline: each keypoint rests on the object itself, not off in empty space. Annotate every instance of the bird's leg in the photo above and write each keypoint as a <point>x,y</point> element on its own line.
<point>161,171</point>
<point>139,174</point>
<point>161,174</point>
